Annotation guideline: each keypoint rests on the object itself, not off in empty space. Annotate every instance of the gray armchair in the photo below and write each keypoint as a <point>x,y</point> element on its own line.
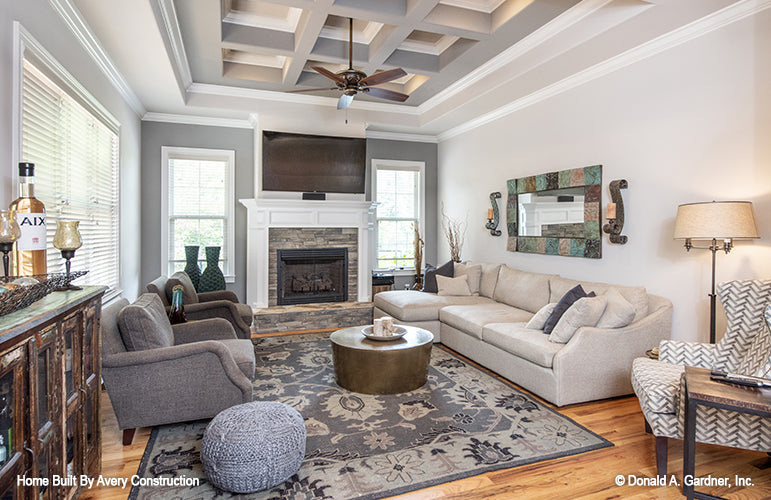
<point>205,305</point>
<point>156,373</point>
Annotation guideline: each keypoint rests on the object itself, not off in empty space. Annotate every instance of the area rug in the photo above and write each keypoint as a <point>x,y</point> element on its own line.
<point>462,423</point>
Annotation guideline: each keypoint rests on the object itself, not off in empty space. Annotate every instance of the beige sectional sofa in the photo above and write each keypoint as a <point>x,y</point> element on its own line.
<point>490,328</point>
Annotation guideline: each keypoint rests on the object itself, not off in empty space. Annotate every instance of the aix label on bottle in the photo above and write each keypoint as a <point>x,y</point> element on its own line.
<point>33,231</point>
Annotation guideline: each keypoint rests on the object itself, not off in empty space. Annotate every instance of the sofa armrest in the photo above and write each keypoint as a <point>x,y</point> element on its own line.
<point>597,362</point>
<point>218,295</point>
<point>203,329</point>
<point>678,352</point>
<point>219,309</point>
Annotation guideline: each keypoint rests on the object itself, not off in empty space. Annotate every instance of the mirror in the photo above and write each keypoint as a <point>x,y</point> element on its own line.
<point>557,213</point>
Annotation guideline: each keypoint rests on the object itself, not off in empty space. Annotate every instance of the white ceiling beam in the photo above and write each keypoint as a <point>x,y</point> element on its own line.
<point>308,29</point>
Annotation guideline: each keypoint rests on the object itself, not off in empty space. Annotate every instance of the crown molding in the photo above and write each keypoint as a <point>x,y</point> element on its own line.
<point>273,96</point>
<point>197,120</point>
<point>75,22</point>
<point>397,136</point>
<point>696,29</point>
<point>170,25</point>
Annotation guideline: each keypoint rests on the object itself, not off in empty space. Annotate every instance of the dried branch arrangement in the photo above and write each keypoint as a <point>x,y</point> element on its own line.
<point>454,230</point>
<point>418,256</point>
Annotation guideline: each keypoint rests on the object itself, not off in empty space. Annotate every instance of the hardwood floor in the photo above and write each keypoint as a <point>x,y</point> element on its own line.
<point>589,475</point>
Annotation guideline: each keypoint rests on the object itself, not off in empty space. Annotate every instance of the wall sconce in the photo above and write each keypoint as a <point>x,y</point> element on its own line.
<point>616,212</point>
<point>493,215</point>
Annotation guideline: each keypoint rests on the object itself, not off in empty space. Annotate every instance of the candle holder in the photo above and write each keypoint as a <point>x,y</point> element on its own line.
<point>67,239</point>
<point>616,224</point>
<point>492,222</point>
<point>9,232</point>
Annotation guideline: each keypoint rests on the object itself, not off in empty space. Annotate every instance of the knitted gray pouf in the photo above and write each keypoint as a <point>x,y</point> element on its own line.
<point>253,446</point>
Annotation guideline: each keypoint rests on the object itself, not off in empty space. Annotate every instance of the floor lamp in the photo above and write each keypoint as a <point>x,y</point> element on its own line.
<point>715,221</point>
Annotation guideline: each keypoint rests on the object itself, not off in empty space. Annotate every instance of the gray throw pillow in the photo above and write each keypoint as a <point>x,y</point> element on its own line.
<point>190,296</point>
<point>585,311</point>
<point>575,293</point>
<point>429,279</point>
<point>144,325</point>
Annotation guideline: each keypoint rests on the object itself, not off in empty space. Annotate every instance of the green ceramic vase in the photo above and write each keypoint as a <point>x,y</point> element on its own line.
<point>212,278</point>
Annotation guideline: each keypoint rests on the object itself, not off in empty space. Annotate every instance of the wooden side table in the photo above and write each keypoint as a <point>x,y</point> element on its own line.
<point>701,390</point>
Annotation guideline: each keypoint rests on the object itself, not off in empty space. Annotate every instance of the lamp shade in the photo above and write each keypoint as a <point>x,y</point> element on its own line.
<point>716,219</point>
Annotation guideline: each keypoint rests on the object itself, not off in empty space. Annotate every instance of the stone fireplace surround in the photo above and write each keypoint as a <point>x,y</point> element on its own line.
<point>265,216</point>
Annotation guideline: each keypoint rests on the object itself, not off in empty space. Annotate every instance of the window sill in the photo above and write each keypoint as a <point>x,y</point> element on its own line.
<point>396,272</point>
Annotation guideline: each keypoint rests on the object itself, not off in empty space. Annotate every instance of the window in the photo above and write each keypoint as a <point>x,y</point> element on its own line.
<point>198,205</point>
<point>398,188</point>
<point>74,146</point>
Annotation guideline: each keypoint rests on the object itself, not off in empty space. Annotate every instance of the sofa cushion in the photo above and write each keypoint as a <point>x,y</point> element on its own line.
<point>528,344</point>
<point>411,305</point>
<point>585,311</point>
<point>521,289</point>
<point>538,320</point>
<point>452,286</point>
<point>190,296</point>
<point>472,318</point>
<point>243,354</point>
<point>656,384</point>
<point>144,324</point>
<point>489,278</point>
<point>618,313</point>
<point>474,273</point>
<point>429,278</point>
<point>562,306</point>
<point>636,295</point>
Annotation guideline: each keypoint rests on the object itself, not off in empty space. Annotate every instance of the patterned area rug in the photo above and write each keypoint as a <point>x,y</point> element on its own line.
<point>462,423</point>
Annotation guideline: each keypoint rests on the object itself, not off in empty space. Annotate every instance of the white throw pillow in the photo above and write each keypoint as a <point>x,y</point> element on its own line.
<point>452,286</point>
<point>539,319</point>
<point>619,311</point>
<point>474,273</point>
<point>584,312</point>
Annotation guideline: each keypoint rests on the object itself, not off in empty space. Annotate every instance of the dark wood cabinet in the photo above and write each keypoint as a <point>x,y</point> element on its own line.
<point>49,395</point>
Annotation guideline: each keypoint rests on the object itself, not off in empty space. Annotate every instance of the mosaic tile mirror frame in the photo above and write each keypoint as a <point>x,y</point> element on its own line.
<point>556,227</point>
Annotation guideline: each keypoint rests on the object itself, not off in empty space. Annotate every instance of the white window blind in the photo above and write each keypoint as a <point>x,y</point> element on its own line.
<point>398,191</point>
<point>200,194</point>
<point>76,175</point>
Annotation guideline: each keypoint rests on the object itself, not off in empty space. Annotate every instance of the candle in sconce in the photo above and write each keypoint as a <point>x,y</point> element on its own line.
<point>489,213</point>
<point>611,210</point>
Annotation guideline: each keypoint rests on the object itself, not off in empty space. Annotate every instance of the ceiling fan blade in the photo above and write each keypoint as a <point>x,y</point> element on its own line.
<point>386,94</point>
<point>345,101</point>
<point>308,90</point>
<point>328,74</point>
<point>383,77</point>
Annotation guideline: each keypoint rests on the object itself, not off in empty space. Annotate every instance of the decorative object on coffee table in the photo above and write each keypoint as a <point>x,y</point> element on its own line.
<point>713,221</point>
<point>67,239</point>
<point>454,230</point>
<point>253,446</point>
<point>493,215</point>
<point>212,278</point>
<point>616,212</point>
<point>9,232</point>
<point>191,265</point>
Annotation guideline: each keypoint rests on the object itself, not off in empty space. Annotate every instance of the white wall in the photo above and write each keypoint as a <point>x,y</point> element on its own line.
<point>47,27</point>
<point>690,124</point>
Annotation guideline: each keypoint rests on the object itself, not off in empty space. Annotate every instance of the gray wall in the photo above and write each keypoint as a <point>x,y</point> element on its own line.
<point>154,136</point>
<point>48,28</point>
<point>381,149</point>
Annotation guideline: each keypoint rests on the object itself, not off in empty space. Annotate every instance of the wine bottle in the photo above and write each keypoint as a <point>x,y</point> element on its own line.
<point>30,255</point>
<point>177,309</point>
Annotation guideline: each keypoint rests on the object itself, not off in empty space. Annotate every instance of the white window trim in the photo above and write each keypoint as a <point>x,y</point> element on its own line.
<point>418,166</point>
<point>199,154</point>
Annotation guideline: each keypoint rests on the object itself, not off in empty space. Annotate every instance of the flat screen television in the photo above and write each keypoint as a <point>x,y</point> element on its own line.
<point>307,163</point>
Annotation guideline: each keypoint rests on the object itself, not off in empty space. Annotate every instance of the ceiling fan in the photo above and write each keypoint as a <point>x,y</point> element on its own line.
<point>352,81</point>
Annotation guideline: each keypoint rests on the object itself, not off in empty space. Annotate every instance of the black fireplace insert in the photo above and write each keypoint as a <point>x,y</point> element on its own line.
<point>309,275</point>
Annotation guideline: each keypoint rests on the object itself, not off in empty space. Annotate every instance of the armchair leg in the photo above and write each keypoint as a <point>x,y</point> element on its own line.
<point>128,436</point>
<point>648,429</point>
<point>661,455</point>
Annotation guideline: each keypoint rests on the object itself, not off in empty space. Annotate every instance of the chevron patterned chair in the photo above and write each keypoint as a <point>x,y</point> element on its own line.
<point>745,348</point>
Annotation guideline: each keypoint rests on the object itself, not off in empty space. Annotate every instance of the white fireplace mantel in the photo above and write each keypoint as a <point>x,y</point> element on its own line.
<point>262,214</point>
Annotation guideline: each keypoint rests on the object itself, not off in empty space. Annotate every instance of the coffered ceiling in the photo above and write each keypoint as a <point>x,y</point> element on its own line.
<point>466,60</point>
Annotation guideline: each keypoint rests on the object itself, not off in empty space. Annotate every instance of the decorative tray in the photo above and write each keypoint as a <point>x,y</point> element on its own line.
<point>20,297</point>
<point>368,331</point>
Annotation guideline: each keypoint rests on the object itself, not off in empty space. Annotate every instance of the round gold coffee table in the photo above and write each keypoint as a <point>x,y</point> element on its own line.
<point>381,367</point>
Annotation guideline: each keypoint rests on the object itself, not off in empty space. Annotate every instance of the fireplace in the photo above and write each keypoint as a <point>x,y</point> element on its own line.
<point>308,275</point>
